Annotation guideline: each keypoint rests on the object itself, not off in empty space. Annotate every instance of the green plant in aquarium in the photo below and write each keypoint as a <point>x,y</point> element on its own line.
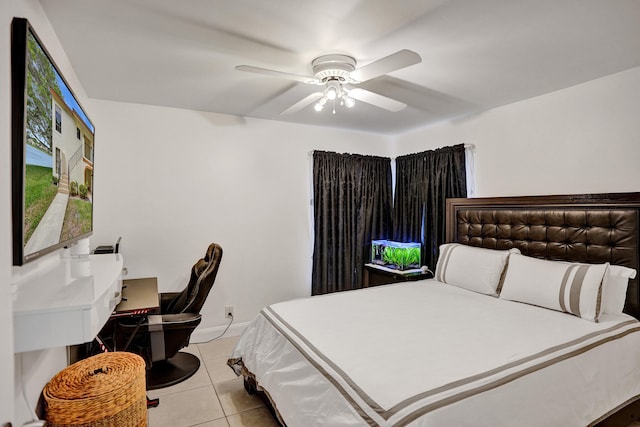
<point>413,256</point>
<point>387,255</point>
<point>401,257</point>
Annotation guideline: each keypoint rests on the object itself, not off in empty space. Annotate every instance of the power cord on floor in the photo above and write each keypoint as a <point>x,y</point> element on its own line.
<point>225,329</point>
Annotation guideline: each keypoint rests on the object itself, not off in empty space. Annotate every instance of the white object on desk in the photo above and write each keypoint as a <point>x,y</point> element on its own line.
<point>67,303</point>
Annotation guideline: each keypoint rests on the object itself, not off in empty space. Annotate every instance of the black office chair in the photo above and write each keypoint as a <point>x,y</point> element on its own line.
<point>161,336</point>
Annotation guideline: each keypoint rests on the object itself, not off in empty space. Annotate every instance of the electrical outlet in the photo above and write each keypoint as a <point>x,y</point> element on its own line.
<point>228,311</point>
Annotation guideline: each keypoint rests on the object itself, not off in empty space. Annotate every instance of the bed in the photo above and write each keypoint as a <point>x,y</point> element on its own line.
<point>487,342</point>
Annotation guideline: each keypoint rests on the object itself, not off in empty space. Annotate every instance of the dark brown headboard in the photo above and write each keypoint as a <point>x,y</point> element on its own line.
<point>593,228</point>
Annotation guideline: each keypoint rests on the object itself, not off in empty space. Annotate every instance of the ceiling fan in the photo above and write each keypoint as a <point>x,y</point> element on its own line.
<point>337,73</point>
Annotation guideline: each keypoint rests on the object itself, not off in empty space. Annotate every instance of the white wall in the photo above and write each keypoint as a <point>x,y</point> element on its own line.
<point>171,181</point>
<point>38,366</point>
<point>584,139</point>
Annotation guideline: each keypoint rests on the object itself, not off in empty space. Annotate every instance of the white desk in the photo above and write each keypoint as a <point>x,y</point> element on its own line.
<point>67,303</point>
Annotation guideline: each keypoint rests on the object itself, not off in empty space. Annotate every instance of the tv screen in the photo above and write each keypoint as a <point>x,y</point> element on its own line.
<point>52,152</point>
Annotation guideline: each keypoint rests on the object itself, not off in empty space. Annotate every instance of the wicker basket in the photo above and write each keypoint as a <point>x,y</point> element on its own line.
<point>102,391</point>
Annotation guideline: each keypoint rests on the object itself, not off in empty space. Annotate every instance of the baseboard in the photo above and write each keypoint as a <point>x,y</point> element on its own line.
<point>202,335</point>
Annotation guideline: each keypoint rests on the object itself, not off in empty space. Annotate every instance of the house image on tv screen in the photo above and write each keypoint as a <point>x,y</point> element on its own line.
<point>65,211</point>
<point>54,195</point>
<point>72,146</point>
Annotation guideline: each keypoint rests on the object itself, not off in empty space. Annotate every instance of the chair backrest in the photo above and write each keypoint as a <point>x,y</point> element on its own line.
<point>203,274</point>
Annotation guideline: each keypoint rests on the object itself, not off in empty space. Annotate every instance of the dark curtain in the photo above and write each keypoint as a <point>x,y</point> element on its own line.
<point>408,207</point>
<point>352,206</point>
<point>424,181</point>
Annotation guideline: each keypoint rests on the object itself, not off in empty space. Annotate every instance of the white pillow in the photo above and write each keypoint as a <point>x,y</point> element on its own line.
<point>570,287</point>
<point>614,288</point>
<point>472,268</point>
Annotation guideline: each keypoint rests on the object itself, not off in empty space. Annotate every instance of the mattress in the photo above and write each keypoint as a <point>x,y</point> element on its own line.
<point>429,354</point>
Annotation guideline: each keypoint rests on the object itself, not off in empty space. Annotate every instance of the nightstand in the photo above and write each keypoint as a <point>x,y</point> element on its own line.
<point>374,275</point>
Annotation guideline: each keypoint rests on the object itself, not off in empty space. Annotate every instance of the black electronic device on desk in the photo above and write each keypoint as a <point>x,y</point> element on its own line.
<point>108,249</point>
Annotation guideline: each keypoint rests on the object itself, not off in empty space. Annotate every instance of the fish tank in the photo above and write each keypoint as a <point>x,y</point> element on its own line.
<point>395,255</point>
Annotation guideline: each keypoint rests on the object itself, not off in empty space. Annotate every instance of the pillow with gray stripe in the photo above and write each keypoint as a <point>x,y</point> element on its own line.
<point>569,287</point>
<point>469,267</point>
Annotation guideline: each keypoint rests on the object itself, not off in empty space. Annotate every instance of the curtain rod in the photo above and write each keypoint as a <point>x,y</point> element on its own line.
<point>469,146</point>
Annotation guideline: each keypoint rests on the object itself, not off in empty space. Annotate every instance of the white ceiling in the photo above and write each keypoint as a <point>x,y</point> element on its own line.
<point>476,54</point>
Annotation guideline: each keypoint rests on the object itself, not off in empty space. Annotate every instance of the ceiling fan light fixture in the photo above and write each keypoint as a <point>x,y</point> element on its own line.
<point>336,93</point>
<point>330,67</point>
<point>335,70</point>
<point>348,101</point>
<point>333,90</point>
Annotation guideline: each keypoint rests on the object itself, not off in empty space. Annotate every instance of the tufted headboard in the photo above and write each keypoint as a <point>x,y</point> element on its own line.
<point>592,228</point>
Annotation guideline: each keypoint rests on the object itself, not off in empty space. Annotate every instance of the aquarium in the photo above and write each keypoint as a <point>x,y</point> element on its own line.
<point>396,255</point>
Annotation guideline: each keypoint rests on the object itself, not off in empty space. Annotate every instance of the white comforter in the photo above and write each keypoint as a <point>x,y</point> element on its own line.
<point>429,354</point>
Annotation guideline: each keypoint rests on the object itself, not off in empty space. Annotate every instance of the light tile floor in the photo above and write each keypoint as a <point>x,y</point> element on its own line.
<point>212,397</point>
<point>215,397</point>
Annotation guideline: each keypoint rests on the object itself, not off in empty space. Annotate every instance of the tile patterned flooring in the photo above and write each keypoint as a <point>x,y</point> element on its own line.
<point>212,397</point>
<point>215,397</point>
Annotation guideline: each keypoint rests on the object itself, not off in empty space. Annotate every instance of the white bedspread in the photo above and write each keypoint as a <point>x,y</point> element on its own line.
<point>429,354</point>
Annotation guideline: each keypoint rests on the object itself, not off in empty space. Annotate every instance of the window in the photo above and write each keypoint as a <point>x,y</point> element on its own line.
<point>78,133</point>
<point>58,119</point>
<point>352,206</point>
<point>423,183</point>
<point>88,150</point>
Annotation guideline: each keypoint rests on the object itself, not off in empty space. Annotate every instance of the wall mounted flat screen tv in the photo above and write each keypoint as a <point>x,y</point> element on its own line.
<point>52,152</point>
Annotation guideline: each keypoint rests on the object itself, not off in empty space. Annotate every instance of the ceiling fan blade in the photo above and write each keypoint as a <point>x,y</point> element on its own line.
<point>377,100</point>
<point>303,103</point>
<point>274,73</point>
<point>395,61</point>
